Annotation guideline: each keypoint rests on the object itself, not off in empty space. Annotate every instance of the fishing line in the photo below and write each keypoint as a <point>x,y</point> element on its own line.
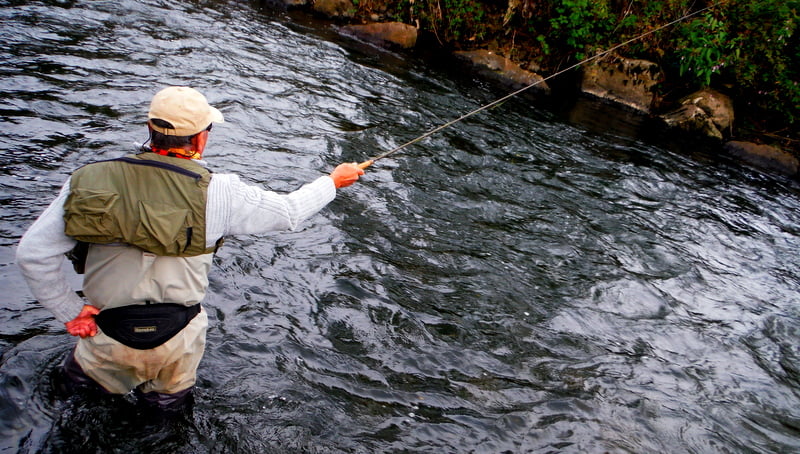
<point>370,161</point>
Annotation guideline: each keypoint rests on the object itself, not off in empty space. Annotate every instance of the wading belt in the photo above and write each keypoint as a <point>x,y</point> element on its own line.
<point>145,326</point>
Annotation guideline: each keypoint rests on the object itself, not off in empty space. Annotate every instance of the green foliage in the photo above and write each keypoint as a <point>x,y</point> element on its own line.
<point>705,47</point>
<point>464,19</point>
<point>543,43</point>
<point>582,25</point>
<point>752,46</point>
<point>769,67</point>
<point>451,20</point>
<point>749,48</point>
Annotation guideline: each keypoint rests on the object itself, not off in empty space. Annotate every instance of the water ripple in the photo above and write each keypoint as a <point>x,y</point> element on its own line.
<point>512,284</point>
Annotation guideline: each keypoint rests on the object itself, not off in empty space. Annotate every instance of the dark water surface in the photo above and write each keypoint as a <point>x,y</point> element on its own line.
<point>516,283</point>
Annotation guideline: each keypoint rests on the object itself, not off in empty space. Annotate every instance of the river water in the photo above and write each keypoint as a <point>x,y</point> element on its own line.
<point>516,283</point>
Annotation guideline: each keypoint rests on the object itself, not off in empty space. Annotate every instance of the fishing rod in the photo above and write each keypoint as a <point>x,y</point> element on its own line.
<point>369,162</point>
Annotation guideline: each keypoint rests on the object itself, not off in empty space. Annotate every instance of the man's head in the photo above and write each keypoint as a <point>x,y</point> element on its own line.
<point>181,111</point>
<point>180,118</point>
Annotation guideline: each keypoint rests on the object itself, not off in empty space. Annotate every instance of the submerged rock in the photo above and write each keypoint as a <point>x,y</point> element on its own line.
<point>294,3</point>
<point>334,9</point>
<point>503,69</point>
<point>387,34</point>
<point>706,112</point>
<point>624,81</point>
<point>765,157</point>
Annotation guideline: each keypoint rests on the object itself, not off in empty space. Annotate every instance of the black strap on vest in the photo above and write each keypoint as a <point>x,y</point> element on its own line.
<point>159,164</point>
<point>145,326</point>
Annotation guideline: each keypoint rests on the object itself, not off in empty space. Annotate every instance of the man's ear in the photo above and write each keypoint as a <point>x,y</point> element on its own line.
<point>199,141</point>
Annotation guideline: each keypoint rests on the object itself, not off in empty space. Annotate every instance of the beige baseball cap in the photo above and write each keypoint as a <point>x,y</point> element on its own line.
<point>185,108</point>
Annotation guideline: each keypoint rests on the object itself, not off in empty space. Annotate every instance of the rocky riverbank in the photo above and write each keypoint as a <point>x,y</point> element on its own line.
<point>629,84</point>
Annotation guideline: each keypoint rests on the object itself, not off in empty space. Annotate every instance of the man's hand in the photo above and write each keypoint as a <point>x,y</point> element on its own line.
<point>346,174</point>
<point>84,325</point>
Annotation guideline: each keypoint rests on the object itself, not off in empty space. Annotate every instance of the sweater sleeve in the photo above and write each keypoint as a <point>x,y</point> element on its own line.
<point>40,255</point>
<point>237,208</point>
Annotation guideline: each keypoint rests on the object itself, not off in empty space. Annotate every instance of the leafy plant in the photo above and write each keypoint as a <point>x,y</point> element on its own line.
<point>465,19</point>
<point>769,68</point>
<point>748,48</point>
<point>705,48</point>
<point>581,24</point>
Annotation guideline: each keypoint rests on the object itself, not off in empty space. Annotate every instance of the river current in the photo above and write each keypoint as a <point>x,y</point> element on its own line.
<point>516,283</point>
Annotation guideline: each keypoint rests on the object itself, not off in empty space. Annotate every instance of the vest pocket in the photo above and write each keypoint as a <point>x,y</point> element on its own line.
<point>86,213</point>
<point>163,227</point>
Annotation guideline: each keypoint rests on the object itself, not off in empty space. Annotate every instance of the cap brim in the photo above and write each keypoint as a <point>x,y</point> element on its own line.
<point>216,115</point>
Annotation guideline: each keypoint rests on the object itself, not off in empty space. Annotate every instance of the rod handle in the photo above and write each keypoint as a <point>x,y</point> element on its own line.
<point>365,164</point>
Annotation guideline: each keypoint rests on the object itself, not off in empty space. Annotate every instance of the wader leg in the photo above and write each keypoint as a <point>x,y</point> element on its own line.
<point>76,378</point>
<point>164,401</point>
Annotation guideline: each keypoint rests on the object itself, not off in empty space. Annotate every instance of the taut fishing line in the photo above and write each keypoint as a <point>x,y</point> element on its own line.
<point>370,161</point>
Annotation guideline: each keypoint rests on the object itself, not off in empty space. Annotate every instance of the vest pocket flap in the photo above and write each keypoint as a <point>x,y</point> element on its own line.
<point>90,201</point>
<point>86,215</point>
<point>166,224</point>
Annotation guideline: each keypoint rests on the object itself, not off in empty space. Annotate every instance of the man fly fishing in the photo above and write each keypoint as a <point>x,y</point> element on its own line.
<point>143,229</point>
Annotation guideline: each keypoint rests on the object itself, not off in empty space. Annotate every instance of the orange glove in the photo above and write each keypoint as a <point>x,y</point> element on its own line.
<point>84,325</point>
<point>346,174</point>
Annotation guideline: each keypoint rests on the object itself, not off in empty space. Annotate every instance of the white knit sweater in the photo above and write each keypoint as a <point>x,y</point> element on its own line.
<point>233,208</point>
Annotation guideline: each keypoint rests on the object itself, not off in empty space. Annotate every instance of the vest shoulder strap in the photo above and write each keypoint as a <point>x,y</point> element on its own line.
<point>158,164</point>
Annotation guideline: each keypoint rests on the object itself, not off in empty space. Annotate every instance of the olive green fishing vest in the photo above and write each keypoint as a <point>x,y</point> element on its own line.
<point>156,203</point>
